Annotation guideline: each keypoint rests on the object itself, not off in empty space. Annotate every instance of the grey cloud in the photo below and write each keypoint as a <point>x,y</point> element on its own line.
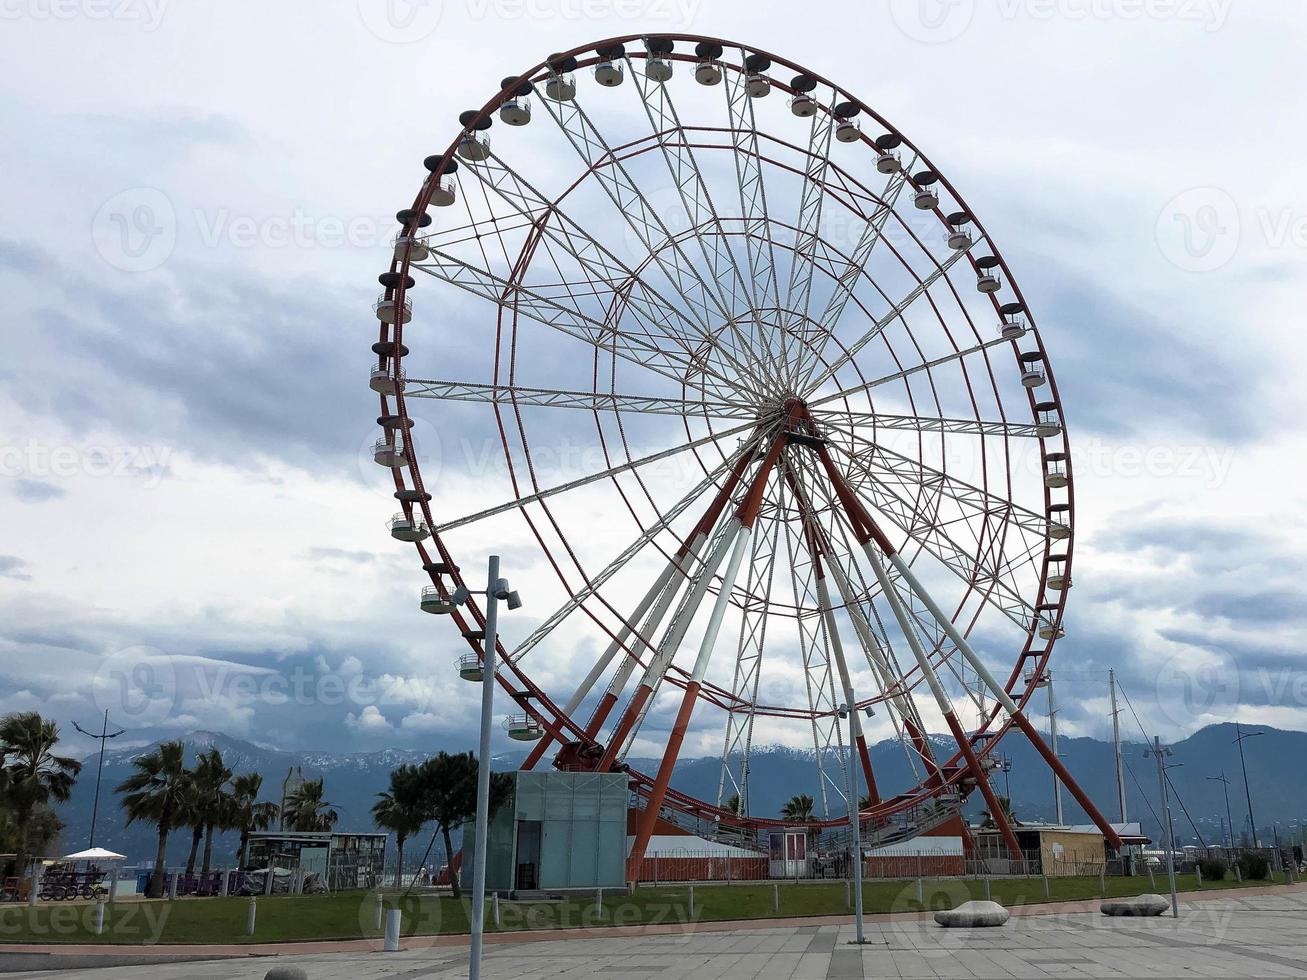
<point>36,491</point>
<point>12,567</point>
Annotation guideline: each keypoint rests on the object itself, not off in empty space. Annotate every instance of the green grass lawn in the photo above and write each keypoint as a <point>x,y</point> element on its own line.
<point>350,915</point>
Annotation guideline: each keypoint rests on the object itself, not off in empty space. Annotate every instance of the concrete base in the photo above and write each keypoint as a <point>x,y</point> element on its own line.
<point>973,915</point>
<point>1143,905</point>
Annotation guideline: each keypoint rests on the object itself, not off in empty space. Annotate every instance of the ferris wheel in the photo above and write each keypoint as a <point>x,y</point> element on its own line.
<point>734,374</point>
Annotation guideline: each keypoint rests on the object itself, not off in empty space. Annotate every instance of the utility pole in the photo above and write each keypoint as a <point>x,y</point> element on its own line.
<point>1239,737</point>
<point>1052,744</point>
<point>1160,753</point>
<point>1225,784</point>
<point>855,828</point>
<point>103,737</point>
<point>1116,744</point>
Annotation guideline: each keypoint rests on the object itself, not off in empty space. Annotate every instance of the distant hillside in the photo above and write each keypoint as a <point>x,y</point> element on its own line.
<point>354,779</point>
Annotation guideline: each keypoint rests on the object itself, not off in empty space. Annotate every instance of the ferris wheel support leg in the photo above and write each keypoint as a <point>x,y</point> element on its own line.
<point>745,517</point>
<point>649,818</point>
<point>1010,706</point>
<point>942,699</point>
<point>619,642</point>
<point>841,665</point>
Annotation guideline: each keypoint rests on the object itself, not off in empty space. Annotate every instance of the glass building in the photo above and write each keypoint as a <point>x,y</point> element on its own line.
<point>558,831</point>
<point>343,860</point>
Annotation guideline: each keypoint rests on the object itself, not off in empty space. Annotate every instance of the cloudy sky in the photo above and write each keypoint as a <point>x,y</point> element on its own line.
<point>197,198</point>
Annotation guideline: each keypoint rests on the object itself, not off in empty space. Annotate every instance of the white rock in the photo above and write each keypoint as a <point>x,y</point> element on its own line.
<point>285,973</point>
<point>973,915</point>
<point>1142,905</point>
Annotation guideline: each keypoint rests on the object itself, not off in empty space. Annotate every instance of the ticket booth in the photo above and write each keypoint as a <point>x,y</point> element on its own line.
<point>787,854</point>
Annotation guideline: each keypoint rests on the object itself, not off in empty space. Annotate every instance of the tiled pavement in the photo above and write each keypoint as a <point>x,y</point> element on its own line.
<point>1258,936</point>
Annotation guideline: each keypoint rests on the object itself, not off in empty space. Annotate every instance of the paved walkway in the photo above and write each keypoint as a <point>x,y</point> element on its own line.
<point>1257,935</point>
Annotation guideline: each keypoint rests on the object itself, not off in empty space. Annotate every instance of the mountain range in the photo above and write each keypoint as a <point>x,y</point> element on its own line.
<point>352,781</point>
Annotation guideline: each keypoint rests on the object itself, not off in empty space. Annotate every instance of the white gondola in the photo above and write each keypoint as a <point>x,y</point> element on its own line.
<point>1055,475</point>
<point>1048,630</point>
<point>1059,522</point>
<point>434,602</point>
<point>388,312</point>
<point>1048,423</point>
<point>412,246</point>
<point>561,87</point>
<point>925,200</point>
<point>523,728</point>
<point>382,383</point>
<point>445,192</point>
<point>406,528</point>
<point>848,131</point>
<point>1058,531</point>
<point>660,70</point>
<point>389,454</point>
<point>609,74</point>
<point>470,669</point>
<point>474,148</point>
<point>888,162</point>
<point>1036,678</point>
<point>708,73</point>
<point>988,281</point>
<point>515,112</point>
<point>1013,327</point>
<point>1059,581</point>
<point>1032,370</point>
<point>757,86</point>
<point>803,105</point>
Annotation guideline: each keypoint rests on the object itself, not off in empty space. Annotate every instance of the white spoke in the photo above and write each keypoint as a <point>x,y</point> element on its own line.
<point>590,401</point>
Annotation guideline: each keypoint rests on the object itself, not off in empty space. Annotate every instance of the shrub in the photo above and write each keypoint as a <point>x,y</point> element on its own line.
<point>1213,869</point>
<point>1254,867</point>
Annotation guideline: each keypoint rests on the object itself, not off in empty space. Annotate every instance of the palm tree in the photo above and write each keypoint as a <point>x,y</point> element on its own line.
<point>153,793</point>
<point>732,804</point>
<point>798,808</point>
<point>34,775</point>
<point>987,821</point>
<point>400,809</point>
<point>247,813</point>
<point>205,804</point>
<point>307,811</point>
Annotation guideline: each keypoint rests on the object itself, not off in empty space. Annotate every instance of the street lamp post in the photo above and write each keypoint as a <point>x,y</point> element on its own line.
<point>855,849</point>
<point>1160,753</point>
<point>496,589</point>
<point>102,738</point>
<point>1225,784</point>
<point>1239,737</point>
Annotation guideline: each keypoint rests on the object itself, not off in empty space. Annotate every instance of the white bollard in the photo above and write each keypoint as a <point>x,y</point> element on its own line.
<point>599,903</point>
<point>494,907</point>
<point>775,897</point>
<point>848,895</point>
<point>172,887</point>
<point>691,901</point>
<point>1046,894</point>
<point>1198,875</point>
<point>921,892</point>
<point>36,890</point>
<point>99,917</point>
<point>394,919</point>
<point>250,915</point>
<point>987,896</point>
<point>223,883</point>
<point>1238,875</point>
<point>1152,882</point>
<point>267,881</point>
<point>113,887</point>
<point>381,905</point>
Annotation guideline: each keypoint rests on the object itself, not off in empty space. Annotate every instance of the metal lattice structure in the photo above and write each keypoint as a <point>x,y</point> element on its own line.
<point>822,466</point>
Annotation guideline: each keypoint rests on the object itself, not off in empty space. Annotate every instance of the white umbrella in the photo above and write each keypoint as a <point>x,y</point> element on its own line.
<point>94,854</point>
